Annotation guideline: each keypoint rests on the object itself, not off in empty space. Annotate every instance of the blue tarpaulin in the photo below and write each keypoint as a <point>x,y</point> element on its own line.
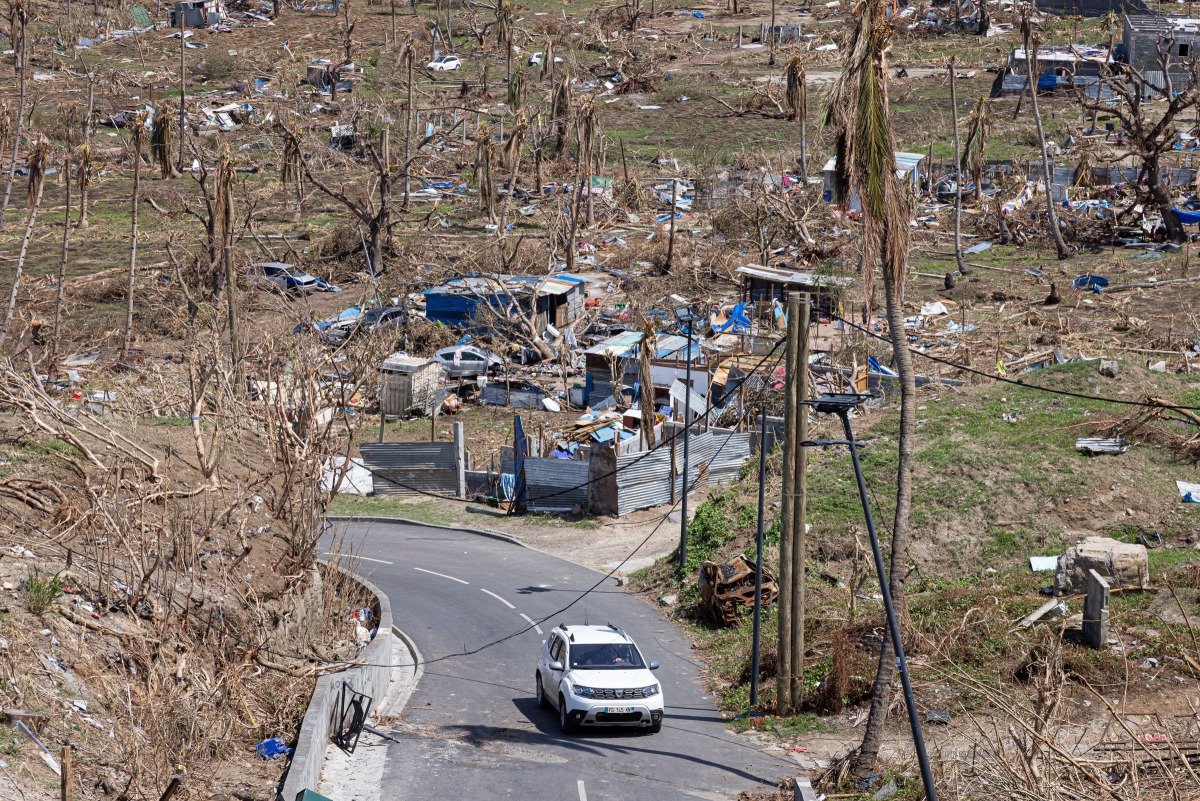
<point>1089,281</point>
<point>1188,217</point>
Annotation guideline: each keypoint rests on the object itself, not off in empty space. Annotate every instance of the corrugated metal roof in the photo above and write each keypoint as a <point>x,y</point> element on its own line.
<point>1096,445</point>
<point>403,363</point>
<point>487,286</point>
<point>905,162</point>
<point>620,344</point>
<point>792,277</point>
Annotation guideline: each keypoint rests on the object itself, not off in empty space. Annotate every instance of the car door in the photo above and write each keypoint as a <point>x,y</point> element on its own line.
<point>553,677</point>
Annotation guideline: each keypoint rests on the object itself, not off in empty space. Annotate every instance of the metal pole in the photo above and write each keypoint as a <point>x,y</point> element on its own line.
<point>893,625</point>
<point>687,427</point>
<point>758,557</point>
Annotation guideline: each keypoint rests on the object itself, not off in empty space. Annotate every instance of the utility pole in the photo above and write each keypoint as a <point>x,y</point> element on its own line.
<point>790,684</point>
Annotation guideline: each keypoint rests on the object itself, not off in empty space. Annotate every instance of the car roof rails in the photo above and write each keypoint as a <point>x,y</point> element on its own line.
<point>618,630</point>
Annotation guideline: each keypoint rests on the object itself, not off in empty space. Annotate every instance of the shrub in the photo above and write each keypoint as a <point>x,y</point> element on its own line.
<point>41,593</point>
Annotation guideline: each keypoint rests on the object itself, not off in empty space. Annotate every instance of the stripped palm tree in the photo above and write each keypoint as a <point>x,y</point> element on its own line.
<point>975,144</point>
<point>1032,42</point>
<point>794,75</point>
<point>866,165</point>
<point>160,145</point>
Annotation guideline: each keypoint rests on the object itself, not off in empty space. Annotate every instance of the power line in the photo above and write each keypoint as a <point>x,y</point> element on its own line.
<point>1019,383</point>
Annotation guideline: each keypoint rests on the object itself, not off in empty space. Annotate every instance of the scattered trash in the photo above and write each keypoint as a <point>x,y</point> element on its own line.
<point>725,589</point>
<point>1188,491</point>
<point>1109,368</point>
<point>1047,611</point>
<point>274,747</point>
<point>1157,367</point>
<point>1097,445</point>
<point>939,716</point>
<point>1041,564</point>
<point>979,248</point>
<point>1149,663</point>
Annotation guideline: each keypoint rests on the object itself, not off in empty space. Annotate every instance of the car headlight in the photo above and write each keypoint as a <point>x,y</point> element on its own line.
<point>586,692</point>
<point>651,690</point>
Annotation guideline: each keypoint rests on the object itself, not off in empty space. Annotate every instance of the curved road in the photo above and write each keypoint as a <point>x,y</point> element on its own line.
<point>472,728</point>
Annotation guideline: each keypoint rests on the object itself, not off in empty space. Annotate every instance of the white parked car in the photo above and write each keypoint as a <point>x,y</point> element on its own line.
<point>444,64</point>
<point>537,58</point>
<point>596,676</point>
<point>286,277</point>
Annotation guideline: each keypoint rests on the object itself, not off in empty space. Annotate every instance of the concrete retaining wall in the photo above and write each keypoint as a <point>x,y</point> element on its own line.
<point>304,771</point>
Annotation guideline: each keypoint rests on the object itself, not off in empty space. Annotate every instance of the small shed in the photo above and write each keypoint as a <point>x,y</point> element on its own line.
<point>557,300</point>
<point>407,384</point>
<point>908,169</point>
<point>765,284</point>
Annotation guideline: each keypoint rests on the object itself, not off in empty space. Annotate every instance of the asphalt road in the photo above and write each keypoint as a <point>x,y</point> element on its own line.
<point>472,729</point>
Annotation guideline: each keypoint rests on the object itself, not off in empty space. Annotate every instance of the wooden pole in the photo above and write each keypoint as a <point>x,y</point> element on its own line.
<point>799,490</point>
<point>671,235</point>
<point>64,776</point>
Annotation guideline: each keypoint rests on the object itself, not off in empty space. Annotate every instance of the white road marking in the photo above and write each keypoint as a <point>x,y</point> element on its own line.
<point>582,792</point>
<point>353,556</point>
<point>498,598</point>
<point>529,620</point>
<point>443,575</point>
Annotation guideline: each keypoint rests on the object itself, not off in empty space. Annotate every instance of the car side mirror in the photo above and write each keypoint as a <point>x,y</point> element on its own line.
<point>654,665</point>
<point>556,665</point>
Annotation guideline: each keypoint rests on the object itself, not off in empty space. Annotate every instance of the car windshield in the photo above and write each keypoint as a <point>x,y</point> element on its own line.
<point>614,656</point>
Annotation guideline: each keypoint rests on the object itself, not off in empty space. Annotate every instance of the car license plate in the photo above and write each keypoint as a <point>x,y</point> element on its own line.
<point>618,710</point>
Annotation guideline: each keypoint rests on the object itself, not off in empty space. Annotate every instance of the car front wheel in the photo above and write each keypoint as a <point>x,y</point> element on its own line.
<point>542,701</point>
<point>565,724</point>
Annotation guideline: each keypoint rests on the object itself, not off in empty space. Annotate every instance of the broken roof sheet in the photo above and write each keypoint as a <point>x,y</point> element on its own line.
<point>482,286</point>
<point>905,162</point>
<point>778,276</point>
<point>1069,53</point>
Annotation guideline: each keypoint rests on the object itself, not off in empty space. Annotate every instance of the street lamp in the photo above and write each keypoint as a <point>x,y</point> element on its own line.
<point>689,322</point>
<point>842,404</point>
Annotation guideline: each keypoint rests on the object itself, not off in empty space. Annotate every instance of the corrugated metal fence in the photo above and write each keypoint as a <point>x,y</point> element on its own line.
<point>730,452</point>
<point>556,485</point>
<point>714,457</point>
<point>410,468</point>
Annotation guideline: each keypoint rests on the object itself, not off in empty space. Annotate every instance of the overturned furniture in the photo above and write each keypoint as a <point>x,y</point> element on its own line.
<point>726,588</point>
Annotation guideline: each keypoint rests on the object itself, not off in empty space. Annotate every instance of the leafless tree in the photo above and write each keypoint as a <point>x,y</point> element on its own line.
<point>1032,42</point>
<point>37,179</point>
<point>1148,111</point>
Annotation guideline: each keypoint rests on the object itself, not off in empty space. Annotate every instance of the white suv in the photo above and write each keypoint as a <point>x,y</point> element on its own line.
<point>444,64</point>
<point>596,676</point>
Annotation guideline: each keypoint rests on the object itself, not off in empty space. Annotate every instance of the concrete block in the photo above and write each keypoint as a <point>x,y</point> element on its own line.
<point>1109,367</point>
<point>1095,611</point>
<point>1123,564</point>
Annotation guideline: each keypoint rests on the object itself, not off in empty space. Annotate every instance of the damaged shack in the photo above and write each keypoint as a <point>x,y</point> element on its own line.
<point>481,303</point>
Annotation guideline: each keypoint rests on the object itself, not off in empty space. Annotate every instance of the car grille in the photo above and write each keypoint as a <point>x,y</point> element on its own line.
<point>618,717</point>
<point>612,694</point>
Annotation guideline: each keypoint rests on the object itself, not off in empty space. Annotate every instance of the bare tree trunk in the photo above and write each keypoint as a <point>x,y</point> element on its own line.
<point>183,91</point>
<point>771,60</point>
<point>881,690</point>
<point>958,171</point>
<point>127,340</point>
<point>62,270</point>
<point>85,163</point>
<point>1164,202</point>
<point>671,232</point>
<point>803,126</point>
<point>408,126</point>
<point>23,62</point>
<point>12,296</point>
<point>1060,246</point>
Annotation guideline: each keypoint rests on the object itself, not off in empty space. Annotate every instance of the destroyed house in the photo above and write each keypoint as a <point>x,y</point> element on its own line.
<point>196,13</point>
<point>1150,40</point>
<point>486,303</point>
<point>765,284</point>
<point>613,365</point>
<point>1061,60</point>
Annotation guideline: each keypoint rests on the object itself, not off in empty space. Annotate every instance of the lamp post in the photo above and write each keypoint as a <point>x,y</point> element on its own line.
<point>687,320</point>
